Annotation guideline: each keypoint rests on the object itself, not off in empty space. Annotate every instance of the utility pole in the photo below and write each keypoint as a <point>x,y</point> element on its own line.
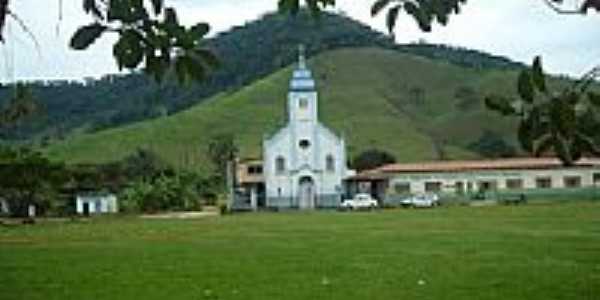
<point>230,174</point>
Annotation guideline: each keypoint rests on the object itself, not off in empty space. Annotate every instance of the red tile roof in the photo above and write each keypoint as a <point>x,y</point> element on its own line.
<point>472,165</point>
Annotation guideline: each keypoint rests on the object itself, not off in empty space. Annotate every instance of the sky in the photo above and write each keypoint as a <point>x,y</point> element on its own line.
<point>518,29</point>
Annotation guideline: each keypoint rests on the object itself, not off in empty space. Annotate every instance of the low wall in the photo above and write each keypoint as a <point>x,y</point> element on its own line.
<point>323,201</point>
<point>588,193</point>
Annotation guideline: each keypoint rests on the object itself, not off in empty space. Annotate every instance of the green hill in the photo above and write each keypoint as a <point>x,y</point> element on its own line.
<point>247,53</point>
<point>374,97</point>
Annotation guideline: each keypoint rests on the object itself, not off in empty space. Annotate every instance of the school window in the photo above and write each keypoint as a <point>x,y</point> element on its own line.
<point>485,186</point>
<point>543,183</point>
<point>469,186</point>
<point>572,181</point>
<point>459,187</point>
<point>596,178</point>
<point>514,184</point>
<point>433,186</point>
<point>402,188</point>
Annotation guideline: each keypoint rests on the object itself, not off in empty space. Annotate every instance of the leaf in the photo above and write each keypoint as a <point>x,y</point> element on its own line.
<point>392,16</point>
<point>538,74</point>
<point>525,87</point>
<point>171,24</point>
<point>590,4</point>
<point>313,6</point>
<point>89,6</point>
<point>171,17</point>
<point>158,6</point>
<point>117,10</point>
<point>128,50</point>
<point>200,30</point>
<point>378,6</point>
<point>422,18</point>
<point>86,35</point>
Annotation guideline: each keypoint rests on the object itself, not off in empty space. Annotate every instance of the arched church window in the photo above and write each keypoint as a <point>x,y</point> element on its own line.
<point>279,165</point>
<point>303,103</point>
<point>330,163</point>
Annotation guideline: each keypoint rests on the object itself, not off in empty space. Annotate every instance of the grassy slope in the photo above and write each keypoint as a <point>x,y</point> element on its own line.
<point>528,252</point>
<point>364,96</point>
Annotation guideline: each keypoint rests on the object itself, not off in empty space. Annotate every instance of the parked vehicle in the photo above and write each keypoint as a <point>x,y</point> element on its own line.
<point>421,200</point>
<point>360,201</point>
<point>515,199</point>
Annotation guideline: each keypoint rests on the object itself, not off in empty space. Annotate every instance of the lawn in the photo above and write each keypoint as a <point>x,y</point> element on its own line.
<point>541,251</point>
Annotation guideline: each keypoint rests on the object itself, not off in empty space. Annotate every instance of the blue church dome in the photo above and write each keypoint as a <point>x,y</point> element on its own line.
<point>302,79</point>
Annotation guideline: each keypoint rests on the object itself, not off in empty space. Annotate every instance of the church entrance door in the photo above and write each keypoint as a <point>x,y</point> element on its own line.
<point>306,193</point>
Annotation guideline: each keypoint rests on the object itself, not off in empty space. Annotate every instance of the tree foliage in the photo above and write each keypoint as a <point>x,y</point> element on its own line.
<point>492,145</point>
<point>28,178</point>
<point>552,121</point>
<point>176,192</point>
<point>20,106</point>
<point>154,40</point>
<point>315,6</point>
<point>371,159</point>
<point>222,150</point>
<point>427,12</point>
<point>3,15</point>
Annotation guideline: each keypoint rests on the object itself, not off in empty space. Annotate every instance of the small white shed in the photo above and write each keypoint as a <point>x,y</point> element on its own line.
<point>4,209</point>
<point>89,204</point>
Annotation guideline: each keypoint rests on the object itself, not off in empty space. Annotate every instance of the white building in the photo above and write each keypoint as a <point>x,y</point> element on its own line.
<point>90,204</point>
<point>304,163</point>
<point>4,210</point>
<point>544,177</point>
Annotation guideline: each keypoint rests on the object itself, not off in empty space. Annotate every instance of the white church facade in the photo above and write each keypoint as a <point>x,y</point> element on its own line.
<point>304,163</point>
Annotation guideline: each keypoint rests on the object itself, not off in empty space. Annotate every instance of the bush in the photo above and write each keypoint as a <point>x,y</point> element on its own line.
<point>164,193</point>
<point>371,159</point>
<point>223,209</point>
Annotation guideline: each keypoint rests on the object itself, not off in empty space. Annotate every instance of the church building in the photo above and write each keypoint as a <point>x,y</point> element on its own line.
<point>304,163</point>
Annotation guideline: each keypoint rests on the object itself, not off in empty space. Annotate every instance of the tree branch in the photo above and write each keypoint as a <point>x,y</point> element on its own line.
<point>3,13</point>
<point>587,79</point>
<point>25,29</point>
<point>562,11</point>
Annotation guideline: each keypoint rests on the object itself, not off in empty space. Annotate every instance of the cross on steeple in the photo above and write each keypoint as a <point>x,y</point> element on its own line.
<point>301,57</point>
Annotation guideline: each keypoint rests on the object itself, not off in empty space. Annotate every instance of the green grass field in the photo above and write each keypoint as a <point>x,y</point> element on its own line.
<point>549,251</point>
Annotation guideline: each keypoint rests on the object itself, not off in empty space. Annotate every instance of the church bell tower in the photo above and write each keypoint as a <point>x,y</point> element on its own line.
<point>302,97</point>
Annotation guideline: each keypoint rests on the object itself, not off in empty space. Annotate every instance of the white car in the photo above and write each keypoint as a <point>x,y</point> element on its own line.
<point>421,200</point>
<point>360,201</point>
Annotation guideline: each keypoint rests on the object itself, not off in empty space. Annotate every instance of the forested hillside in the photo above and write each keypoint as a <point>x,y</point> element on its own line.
<point>413,107</point>
<point>247,54</point>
